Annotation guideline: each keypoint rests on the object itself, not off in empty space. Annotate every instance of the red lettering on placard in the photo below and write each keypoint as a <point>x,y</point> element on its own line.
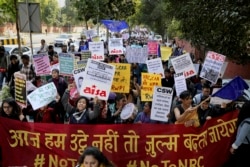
<point>97,57</point>
<point>116,51</point>
<point>189,73</point>
<point>95,91</point>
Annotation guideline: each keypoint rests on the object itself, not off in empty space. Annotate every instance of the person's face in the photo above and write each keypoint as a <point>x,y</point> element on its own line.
<point>81,104</point>
<point>206,91</point>
<point>122,102</point>
<point>25,61</point>
<point>42,42</point>
<point>55,58</point>
<point>64,48</point>
<point>104,111</point>
<point>13,61</point>
<point>7,108</point>
<point>187,101</point>
<point>55,74</point>
<point>205,105</point>
<point>90,161</point>
<point>147,108</point>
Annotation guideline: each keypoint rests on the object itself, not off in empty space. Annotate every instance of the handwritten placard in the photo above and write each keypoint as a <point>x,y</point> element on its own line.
<point>161,106</point>
<point>20,89</point>
<point>148,82</point>
<point>97,50</point>
<point>121,80</point>
<point>42,64</point>
<point>42,96</point>
<point>155,66</point>
<point>98,79</point>
<point>66,62</point>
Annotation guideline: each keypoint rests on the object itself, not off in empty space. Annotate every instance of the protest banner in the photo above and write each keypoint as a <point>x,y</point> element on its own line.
<point>180,83</point>
<point>85,55</point>
<point>66,63</point>
<point>152,48</point>
<point>166,52</point>
<point>161,106</point>
<point>115,46</point>
<point>42,64</point>
<point>136,55</point>
<point>127,145</point>
<point>20,89</point>
<point>184,64</point>
<point>97,50</point>
<point>98,79</point>
<point>78,77</point>
<point>42,96</point>
<point>147,87</point>
<point>155,66</point>
<point>121,80</point>
<point>212,65</point>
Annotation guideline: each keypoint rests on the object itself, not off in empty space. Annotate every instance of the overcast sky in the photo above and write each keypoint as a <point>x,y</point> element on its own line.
<point>61,3</point>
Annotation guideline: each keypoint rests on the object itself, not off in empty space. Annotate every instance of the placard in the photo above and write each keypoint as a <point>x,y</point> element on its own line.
<point>155,66</point>
<point>184,64</point>
<point>121,80</point>
<point>161,106</point>
<point>136,55</point>
<point>42,96</point>
<point>20,89</point>
<point>98,79</point>
<point>42,64</point>
<point>78,77</point>
<point>148,82</point>
<point>153,48</point>
<point>180,83</point>
<point>212,65</point>
<point>97,50</point>
<point>115,46</point>
<point>66,63</point>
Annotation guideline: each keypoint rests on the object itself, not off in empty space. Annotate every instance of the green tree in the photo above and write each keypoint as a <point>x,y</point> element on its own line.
<point>221,26</point>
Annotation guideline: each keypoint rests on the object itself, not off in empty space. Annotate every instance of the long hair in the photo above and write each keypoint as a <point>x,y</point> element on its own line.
<point>97,154</point>
<point>16,110</point>
<point>244,113</point>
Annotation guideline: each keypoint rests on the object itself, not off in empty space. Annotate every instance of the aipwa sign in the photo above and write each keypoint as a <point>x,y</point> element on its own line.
<point>29,17</point>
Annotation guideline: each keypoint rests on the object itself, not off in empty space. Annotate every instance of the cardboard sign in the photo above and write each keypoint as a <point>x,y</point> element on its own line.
<point>42,64</point>
<point>98,79</point>
<point>42,96</point>
<point>161,105</point>
<point>136,54</point>
<point>184,64</point>
<point>97,50</point>
<point>66,63</point>
<point>115,46</point>
<point>121,80</point>
<point>155,66</point>
<point>20,89</point>
<point>180,83</point>
<point>212,66</point>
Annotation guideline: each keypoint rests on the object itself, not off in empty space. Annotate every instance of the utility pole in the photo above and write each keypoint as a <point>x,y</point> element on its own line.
<point>17,29</point>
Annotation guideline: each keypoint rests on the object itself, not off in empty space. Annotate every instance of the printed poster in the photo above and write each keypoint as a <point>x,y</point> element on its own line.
<point>147,87</point>
<point>166,52</point>
<point>180,83</point>
<point>184,64</point>
<point>81,63</point>
<point>66,63</point>
<point>42,64</point>
<point>115,46</point>
<point>42,96</point>
<point>97,50</point>
<point>152,48</point>
<point>20,89</point>
<point>212,66</point>
<point>161,105</point>
<point>121,80</point>
<point>136,55</point>
<point>98,79</point>
<point>78,77</point>
<point>155,66</point>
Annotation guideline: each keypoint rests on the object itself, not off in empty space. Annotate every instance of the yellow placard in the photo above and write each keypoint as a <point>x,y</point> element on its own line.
<point>121,80</point>
<point>148,82</point>
<point>165,52</point>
